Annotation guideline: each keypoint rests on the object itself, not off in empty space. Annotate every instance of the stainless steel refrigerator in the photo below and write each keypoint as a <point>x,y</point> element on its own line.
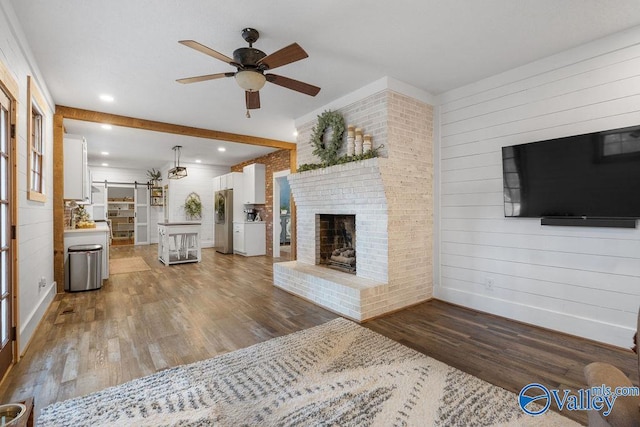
<point>224,221</point>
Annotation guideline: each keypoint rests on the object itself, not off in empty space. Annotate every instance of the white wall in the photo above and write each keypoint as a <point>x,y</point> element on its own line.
<point>199,180</point>
<point>583,281</point>
<point>35,219</point>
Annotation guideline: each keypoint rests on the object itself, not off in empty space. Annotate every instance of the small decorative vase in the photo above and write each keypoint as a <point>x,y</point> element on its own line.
<point>366,145</point>
<point>350,141</point>
<point>358,142</point>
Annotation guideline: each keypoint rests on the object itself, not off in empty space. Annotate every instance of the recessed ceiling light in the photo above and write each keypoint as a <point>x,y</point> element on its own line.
<point>106,98</point>
<point>221,149</point>
<point>105,164</point>
<point>107,127</point>
<point>104,153</point>
<point>295,133</point>
<point>198,161</point>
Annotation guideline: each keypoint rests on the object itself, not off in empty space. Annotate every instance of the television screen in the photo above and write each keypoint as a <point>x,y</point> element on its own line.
<point>591,175</point>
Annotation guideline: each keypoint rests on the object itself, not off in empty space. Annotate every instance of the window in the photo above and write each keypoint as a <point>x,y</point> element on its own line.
<point>36,128</point>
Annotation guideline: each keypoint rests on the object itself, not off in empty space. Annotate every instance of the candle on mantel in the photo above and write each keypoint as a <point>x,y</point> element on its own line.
<point>350,140</point>
<point>358,142</point>
<point>366,145</point>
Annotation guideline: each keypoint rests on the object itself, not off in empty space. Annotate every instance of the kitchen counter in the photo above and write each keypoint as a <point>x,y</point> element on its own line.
<point>100,227</point>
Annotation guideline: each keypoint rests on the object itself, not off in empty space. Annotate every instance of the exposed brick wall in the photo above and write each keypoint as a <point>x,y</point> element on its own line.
<point>274,162</point>
<point>408,186</point>
<point>392,200</point>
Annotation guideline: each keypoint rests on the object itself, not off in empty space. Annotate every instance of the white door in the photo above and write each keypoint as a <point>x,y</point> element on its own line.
<point>141,199</point>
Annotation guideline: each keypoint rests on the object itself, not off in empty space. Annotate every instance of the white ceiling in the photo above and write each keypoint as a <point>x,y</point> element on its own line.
<point>143,150</point>
<point>129,48</point>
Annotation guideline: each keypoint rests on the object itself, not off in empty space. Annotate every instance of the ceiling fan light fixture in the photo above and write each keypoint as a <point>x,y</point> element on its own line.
<point>251,81</point>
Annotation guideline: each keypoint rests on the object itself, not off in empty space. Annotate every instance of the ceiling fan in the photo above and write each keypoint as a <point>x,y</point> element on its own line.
<point>251,65</point>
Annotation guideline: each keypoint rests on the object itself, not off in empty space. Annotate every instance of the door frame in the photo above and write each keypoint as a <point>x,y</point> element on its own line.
<point>276,211</point>
<point>10,87</point>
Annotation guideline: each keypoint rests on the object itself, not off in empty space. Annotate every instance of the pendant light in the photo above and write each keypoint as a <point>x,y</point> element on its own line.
<point>177,172</point>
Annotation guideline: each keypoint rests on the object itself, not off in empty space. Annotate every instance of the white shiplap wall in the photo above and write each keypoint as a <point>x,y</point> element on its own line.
<point>35,219</point>
<point>583,281</point>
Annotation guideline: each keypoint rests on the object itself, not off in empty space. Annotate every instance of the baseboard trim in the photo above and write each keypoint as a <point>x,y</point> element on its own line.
<point>604,333</point>
<point>28,329</point>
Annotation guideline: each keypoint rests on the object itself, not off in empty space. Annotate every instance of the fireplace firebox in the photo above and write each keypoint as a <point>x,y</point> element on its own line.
<point>336,241</point>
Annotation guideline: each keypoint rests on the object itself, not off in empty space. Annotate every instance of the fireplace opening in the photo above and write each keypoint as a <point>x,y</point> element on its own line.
<point>336,241</point>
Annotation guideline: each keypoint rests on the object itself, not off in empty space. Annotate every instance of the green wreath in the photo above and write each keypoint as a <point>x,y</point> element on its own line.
<point>328,152</point>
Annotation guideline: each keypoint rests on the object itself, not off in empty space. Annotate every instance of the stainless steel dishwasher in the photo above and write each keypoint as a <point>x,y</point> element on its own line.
<point>85,268</point>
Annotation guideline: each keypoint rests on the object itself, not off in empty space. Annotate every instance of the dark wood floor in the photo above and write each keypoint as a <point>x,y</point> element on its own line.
<point>143,322</point>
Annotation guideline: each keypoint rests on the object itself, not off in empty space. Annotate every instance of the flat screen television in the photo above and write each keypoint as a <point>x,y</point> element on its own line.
<point>595,175</point>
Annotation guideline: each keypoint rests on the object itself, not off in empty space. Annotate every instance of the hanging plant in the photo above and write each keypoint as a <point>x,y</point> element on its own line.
<point>328,151</point>
<point>193,206</point>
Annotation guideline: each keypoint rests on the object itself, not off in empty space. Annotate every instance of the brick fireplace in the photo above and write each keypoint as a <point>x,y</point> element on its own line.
<point>389,199</point>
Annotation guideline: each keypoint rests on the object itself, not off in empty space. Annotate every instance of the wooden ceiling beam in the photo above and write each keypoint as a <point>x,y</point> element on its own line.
<point>132,122</point>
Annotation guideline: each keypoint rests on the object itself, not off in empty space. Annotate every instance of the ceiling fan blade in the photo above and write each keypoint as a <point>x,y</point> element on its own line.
<point>205,77</point>
<point>292,84</point>
<point>284,56</point>
<point>253,100</point>
<point>206,50</point>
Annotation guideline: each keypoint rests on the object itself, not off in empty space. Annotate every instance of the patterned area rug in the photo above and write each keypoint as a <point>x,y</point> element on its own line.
<point>127,265</point>
<point>338,373</point>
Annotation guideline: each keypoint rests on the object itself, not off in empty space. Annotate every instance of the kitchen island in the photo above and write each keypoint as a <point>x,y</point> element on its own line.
<point>99,235</point>
<point>179,242</point>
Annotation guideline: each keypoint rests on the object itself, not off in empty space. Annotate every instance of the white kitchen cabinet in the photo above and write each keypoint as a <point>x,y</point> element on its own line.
<point>249,238</point>
<point>77,184</point>
<point>254,184</point>
<point>238,237</point>
<point>235,180</point>
<point>217,185</point>
<point>228,181</point>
